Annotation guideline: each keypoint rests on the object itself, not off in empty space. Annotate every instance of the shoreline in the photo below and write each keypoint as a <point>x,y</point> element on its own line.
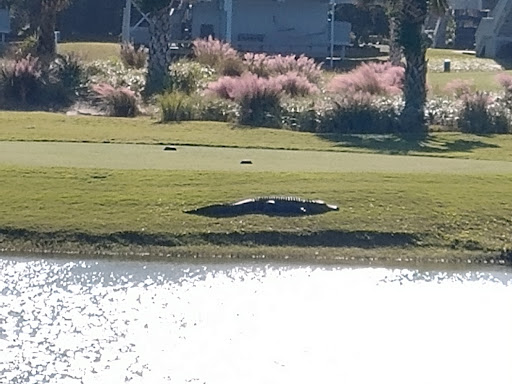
<point>52,245</point>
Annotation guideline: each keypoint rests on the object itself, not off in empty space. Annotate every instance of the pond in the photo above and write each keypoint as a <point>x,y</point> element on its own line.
<point>97,321</point>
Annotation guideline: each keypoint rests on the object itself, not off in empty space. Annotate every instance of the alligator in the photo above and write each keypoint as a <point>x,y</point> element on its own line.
<point>270,206</point>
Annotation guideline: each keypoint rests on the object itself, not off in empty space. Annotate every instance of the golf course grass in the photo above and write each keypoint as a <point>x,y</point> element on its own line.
<point>60,195</point>
<point>43,126</point>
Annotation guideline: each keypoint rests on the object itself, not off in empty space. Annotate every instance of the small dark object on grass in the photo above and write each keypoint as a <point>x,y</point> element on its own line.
<point>270,206</point>
<point>246,162</point>
<point>170,149</point>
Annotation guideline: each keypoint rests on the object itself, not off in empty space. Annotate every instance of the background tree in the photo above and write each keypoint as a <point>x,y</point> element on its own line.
<point>39,17</point>
<point>392,9</point>
<point>412,15</point>
<point>165,25</point>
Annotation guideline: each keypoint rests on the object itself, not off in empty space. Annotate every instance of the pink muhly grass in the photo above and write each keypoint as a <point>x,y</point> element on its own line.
<point>505,80</point>
<point>296,84</point>
<point>248,85</point>
<point>372,78</point>
<point>270,65</point>
<point>213,52</point>
<point>459,88</point>
<point>121,102</point>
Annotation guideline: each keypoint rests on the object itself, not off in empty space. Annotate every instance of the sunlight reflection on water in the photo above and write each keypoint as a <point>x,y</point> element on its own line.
<point>115,322</point>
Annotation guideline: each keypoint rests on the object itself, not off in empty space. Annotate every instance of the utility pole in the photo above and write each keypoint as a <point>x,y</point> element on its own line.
<point>333,7</point>
<point>127,17</point>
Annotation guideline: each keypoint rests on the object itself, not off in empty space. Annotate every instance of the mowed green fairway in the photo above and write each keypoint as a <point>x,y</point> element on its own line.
<point>40,126</point>
<point>133,156</point>
<point>376,209</point>
<point>57,192</point>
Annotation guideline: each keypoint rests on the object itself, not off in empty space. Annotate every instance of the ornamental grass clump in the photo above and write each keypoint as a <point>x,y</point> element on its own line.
<point>505,80</point>
<point>176,106</point>
<point>189,76</point>
<point>295,84</point>
<point>118,102</point>
<point>361,113</point>
<point>459,88</point>
<point>134,57</point>
<point>21,81</point>
<point>66,79</point>
<point>481,115</point>
<point>259,98</point>
<point>219,55</point>
<point>381,79</point>
<point>265,65</point>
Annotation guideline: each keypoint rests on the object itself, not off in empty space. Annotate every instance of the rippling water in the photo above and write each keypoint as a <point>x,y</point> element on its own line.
<point>113,322</point>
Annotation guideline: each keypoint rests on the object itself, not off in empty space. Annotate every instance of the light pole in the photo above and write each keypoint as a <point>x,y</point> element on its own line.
<point>333,6</point>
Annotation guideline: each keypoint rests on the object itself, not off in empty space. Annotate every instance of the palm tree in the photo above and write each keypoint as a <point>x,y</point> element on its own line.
<point>413,14</point>
<point>165,25</point>
<point>48,10</point>
<point>42,17</point>
<point>406,22</point>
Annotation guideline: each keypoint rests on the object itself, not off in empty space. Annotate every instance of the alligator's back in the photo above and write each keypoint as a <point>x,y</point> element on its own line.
<point>270,205</point>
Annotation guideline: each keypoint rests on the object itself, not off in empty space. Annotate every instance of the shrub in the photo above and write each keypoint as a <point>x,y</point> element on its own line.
<point>119,102</point>
<point>216,109</point>
<point>271,65</point>
<point>133,57</point>
<point>505,80</point>
<point>381,79</point>
<point>213,52</point>
<point>361,113</point>
<point>176,106</point>
<point>232,66</point>
<point>28,47</point>
<point>295,84</point>
<point>479,115</point>
<point>259,98</point>
<point>458,88</point>
<point>21,80</point>
<point>65,78</point>
<point>442,111</point>
<point>116,74</point>
<point>188,76</point>
<point>301,115</point>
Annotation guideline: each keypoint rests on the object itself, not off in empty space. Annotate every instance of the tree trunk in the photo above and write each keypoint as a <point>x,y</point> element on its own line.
<point>395,50</point>
<point>415,87</point>
<point>46,34</point>
<point>163,29</point>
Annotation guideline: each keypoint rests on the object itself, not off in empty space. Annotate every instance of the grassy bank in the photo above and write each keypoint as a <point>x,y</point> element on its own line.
<point>45,207</point>
<point>40,126</point>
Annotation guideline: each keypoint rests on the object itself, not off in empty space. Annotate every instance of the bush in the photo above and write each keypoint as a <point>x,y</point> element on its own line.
<point>361,113</point>
<point>265,65</point>
<point>480,116</point>
<point>176,106</point>
<point>301,115</point>
<point>213,53</point>
<point>133,57</point>
<point>28,47</point>
<point>119,102</point>
<point>380,79</point>
<point>295,84</point>
<point>215,109</point>
<point>259,98</point>
<point>505,80</point>
<point>116,74</point>
<point>188,76</point>
<point>458,88</point>
<point>21,81</point>
<point>66,76</point>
